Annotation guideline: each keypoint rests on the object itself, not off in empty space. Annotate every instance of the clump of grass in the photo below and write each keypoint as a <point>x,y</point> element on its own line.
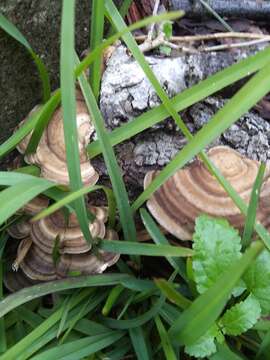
<point>122,313</point>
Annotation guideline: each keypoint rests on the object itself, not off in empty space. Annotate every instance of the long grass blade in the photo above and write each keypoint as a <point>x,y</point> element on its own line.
<point>185,99</point>
<point>139,343</point>
<point>97,28</point>
<point>202,313</point>
<point>75,195</point>
<point>27,294</point>
<point>81,348</point>
<point>112,299</point>
<point>160,239</point>
<point>173,295</point>
<point>131,248</point>
<point>18,195</point>
<point>245,98</point>
<point>165,340</point>
<point>123,10</point>
<point>126,216</point>
<point>15,139</point>
<point>12,30</point>
<point>68,99</point>
<point>137,321</point>
<point>43,119</point>
<point>252,207</point>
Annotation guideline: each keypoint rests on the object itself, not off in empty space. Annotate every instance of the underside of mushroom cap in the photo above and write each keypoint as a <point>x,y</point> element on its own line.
<point>193,191</point>
<point>38,265</point>
<point>71,240</point>
<point>16,280</point>
<point>88,263</point>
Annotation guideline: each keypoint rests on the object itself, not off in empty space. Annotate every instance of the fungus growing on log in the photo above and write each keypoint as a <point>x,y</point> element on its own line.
<point>50,155</point>
<point>74,254</point>
<point>193,191</point>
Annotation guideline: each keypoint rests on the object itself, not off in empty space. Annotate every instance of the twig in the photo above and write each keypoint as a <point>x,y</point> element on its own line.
<point>160,40</point>
<point>234,45</point>
<point>150,34</point>
<point>215,36</point>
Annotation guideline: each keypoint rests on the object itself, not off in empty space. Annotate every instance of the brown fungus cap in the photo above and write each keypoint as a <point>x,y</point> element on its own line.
<point>71,240</point>
<point>17,280</point>
<point>50,155</point>
<point>193,191</point>
<point>39,266</point>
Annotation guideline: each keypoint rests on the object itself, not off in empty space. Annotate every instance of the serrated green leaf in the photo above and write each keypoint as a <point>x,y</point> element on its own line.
<point>257,280</point>
<point>205,345</point>
<point>241,317</point>
<point>217,245</point>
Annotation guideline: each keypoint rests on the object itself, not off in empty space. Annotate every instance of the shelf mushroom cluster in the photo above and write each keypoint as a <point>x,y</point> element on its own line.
<point>193,191</point>
<point>54,247</point>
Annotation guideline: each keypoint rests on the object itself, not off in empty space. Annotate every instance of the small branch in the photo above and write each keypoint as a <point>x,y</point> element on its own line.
<point>234,45</point>
<point>215,36</point>
<point>174,40</point>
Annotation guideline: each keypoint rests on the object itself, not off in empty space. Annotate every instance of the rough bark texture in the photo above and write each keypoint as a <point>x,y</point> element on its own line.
<point>39,21</point>
<point>126,93</point>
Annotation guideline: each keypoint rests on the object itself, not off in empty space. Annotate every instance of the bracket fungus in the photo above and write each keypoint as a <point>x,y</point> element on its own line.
<point>193,191</point>
<point>50,155</point>
<point>35,254</point>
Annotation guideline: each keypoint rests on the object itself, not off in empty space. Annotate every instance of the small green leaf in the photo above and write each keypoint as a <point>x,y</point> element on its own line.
<point>241,317</point>
<point>167,29</point>
<point>217,245</point>
<point>205,345</point>
<point>166,50</point>
<point>257,280</point>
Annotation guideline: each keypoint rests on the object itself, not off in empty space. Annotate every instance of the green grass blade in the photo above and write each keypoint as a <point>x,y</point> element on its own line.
<point>123,10</point>
<point>39,331</point>
<point>239,104</point>
<point>26,128</point>
<point>137,321</point>
<point>126,216</point>
<point>14,300</point>
<point>165,340</point>
<point>68,99</point>
<point>17,137</point>
<point>139,343</point>
<point>203,312</point>
<point>42,121</point>
<point>264,348</point>
<point>216,15</point>
<point>116,19</point>
<point>135,248</point>
<point>10,29</point>
<point>225,353</point>
<point>185,99</point>
<point>252,207</point>
<point>75,195</point>
<point>18,195</point>
<point>81,348</point>
<point>97,28</point>
<point>248,96</point>
<point>160,239</point>
<point>174,296</point>
<point>111,299</point>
